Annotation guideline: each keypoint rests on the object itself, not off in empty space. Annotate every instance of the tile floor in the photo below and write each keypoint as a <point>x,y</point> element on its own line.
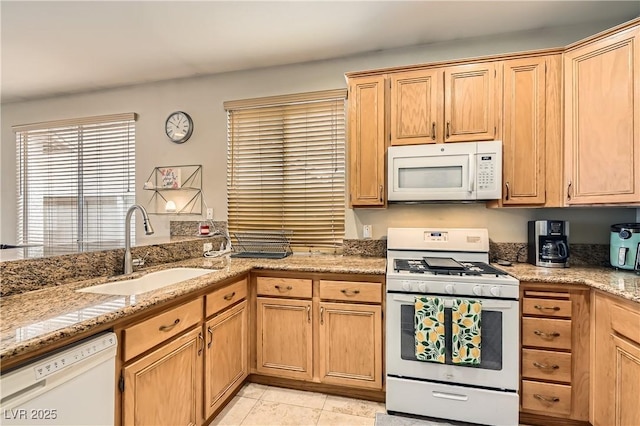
<point>266,405</point>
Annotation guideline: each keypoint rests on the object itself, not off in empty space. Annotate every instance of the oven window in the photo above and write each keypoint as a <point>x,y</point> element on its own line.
<point>491,352</point>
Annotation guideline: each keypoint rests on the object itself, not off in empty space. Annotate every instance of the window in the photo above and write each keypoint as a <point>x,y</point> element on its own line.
<point>76,180</point>
<point>285,167</point>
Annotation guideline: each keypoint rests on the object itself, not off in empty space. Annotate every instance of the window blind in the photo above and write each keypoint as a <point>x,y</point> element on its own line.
<point>285,167</point>
<point>76,180</point>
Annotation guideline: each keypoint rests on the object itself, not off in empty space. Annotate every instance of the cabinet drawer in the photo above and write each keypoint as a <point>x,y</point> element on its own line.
<point>226,296</point>
<point>546,365</point>
<point>546,333</point>
<point>550,398</point>
<point>286,287</point>
<point>351,291</point>
<point>546,307</point>
<point>626,322</point>
<point>145,335</point>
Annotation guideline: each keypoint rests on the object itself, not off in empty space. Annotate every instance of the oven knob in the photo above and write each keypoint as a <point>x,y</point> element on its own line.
<point>449,288</point>
<point>406,286</point>
<point>477,290</point>
<point>495,291</point>
<point>422,287</point>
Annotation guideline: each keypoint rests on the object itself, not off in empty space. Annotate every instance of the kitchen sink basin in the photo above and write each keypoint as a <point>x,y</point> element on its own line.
<point>148,282</point>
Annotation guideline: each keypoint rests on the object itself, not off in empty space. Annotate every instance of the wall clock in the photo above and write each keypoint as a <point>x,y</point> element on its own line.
<point>178,127</point>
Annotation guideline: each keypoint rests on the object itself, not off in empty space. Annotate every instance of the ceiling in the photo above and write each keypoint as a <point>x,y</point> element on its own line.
<point>52,48</point>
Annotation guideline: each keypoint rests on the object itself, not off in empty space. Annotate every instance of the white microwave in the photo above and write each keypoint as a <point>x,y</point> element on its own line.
<point>464,171</point>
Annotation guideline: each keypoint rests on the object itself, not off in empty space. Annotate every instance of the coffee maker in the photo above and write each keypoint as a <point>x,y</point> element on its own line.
<point>548,243</point>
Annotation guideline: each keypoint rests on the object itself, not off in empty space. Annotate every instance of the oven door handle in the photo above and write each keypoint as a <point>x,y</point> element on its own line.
<point>447,395</point>
<point>493,304</point>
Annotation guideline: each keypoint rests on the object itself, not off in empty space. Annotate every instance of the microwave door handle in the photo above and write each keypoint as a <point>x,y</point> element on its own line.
<point>472,172</point>
<point>638,258</point>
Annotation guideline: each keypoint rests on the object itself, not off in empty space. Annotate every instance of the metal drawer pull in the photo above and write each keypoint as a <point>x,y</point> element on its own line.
<point>550,308</point>
<point>210,336</point>
<point>433,130</point>
<point>545,366</point>
<point>546,398</point>
<point>287,288</point>
<point>321,315</point>
<point>169,327</point>
<point>446,136</point>
<point>347,292</point>
<point>229,296</point>
<point>546,335</point>
<point>308,313</point>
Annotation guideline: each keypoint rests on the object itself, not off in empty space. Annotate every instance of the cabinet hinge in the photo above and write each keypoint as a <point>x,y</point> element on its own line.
<point>121,383</point>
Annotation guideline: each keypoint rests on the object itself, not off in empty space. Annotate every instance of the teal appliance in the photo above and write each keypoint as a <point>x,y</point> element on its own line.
<point>625,246</point>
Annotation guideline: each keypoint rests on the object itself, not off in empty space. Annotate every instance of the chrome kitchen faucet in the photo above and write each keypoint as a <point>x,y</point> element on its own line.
<point>148,229</point>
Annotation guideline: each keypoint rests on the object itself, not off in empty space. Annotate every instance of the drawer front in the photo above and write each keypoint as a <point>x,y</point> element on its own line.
<point>546,307</point>
<point>145,335</point>
<point>546,365</point>
<point>626,322</point>
<point>226,296</point>
<point>550,398</point>
<point>285,287</point>
<point>546,333</point>
<point>351,291</point>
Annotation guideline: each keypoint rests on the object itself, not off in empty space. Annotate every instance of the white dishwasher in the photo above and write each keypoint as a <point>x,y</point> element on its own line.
<point>73,386</point>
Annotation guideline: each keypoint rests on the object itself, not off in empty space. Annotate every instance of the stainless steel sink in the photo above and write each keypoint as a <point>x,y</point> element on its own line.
<point>148,282</point>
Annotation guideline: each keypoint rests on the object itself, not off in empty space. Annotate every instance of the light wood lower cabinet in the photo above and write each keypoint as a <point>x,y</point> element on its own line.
<point>351,344</point>
<point>555,353</point>
<point>284,338</point>
<point>181,365</point>
<point>164,387</point>
<point>615,385</point>
<point>226,355</point>
<point>334,337</point>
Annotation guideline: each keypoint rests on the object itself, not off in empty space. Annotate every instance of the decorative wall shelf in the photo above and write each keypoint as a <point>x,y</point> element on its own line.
<point>180,185</point>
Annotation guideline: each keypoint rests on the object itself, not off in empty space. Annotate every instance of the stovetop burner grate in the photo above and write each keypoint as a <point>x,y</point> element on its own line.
<point>470,268</point>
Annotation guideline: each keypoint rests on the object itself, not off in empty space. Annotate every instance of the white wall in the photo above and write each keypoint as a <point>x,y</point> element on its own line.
<point>202,98</point>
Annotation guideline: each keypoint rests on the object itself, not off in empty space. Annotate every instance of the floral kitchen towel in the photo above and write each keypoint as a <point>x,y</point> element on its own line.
<point>429,329</point>
<point>466,339</point>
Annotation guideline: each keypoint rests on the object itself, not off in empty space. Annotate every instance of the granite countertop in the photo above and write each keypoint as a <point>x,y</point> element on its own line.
<point>40,317</point>
<point>625,284</point>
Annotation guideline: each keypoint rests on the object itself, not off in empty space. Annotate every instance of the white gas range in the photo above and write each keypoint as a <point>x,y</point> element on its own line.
<point>452,265</point>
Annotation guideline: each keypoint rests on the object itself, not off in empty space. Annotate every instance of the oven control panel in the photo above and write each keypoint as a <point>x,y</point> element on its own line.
<point>491,291</point>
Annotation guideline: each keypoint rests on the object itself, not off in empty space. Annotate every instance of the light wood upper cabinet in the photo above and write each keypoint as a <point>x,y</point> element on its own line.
<point>367,142</point>
<point>531,137</point>
<point>165,386</point>
<point>226,355</point>
<point>602,120</point>
<point>351,344</point>
<point>450,104</point>
<point>470,96</point>
<point>284,345</point>
<point>416,107</point>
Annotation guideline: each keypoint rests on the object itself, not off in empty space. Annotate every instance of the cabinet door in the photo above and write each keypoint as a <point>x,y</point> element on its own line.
<point>470,95</point>
<point>523,138</point>
<point>416,107</point>
<point>284,345</point>
<point>351,345</point>
<point>226,356</point>
<point>602,120</point>
<point>367,142</point>
<point>627,381</point>
<point>165,386</point>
